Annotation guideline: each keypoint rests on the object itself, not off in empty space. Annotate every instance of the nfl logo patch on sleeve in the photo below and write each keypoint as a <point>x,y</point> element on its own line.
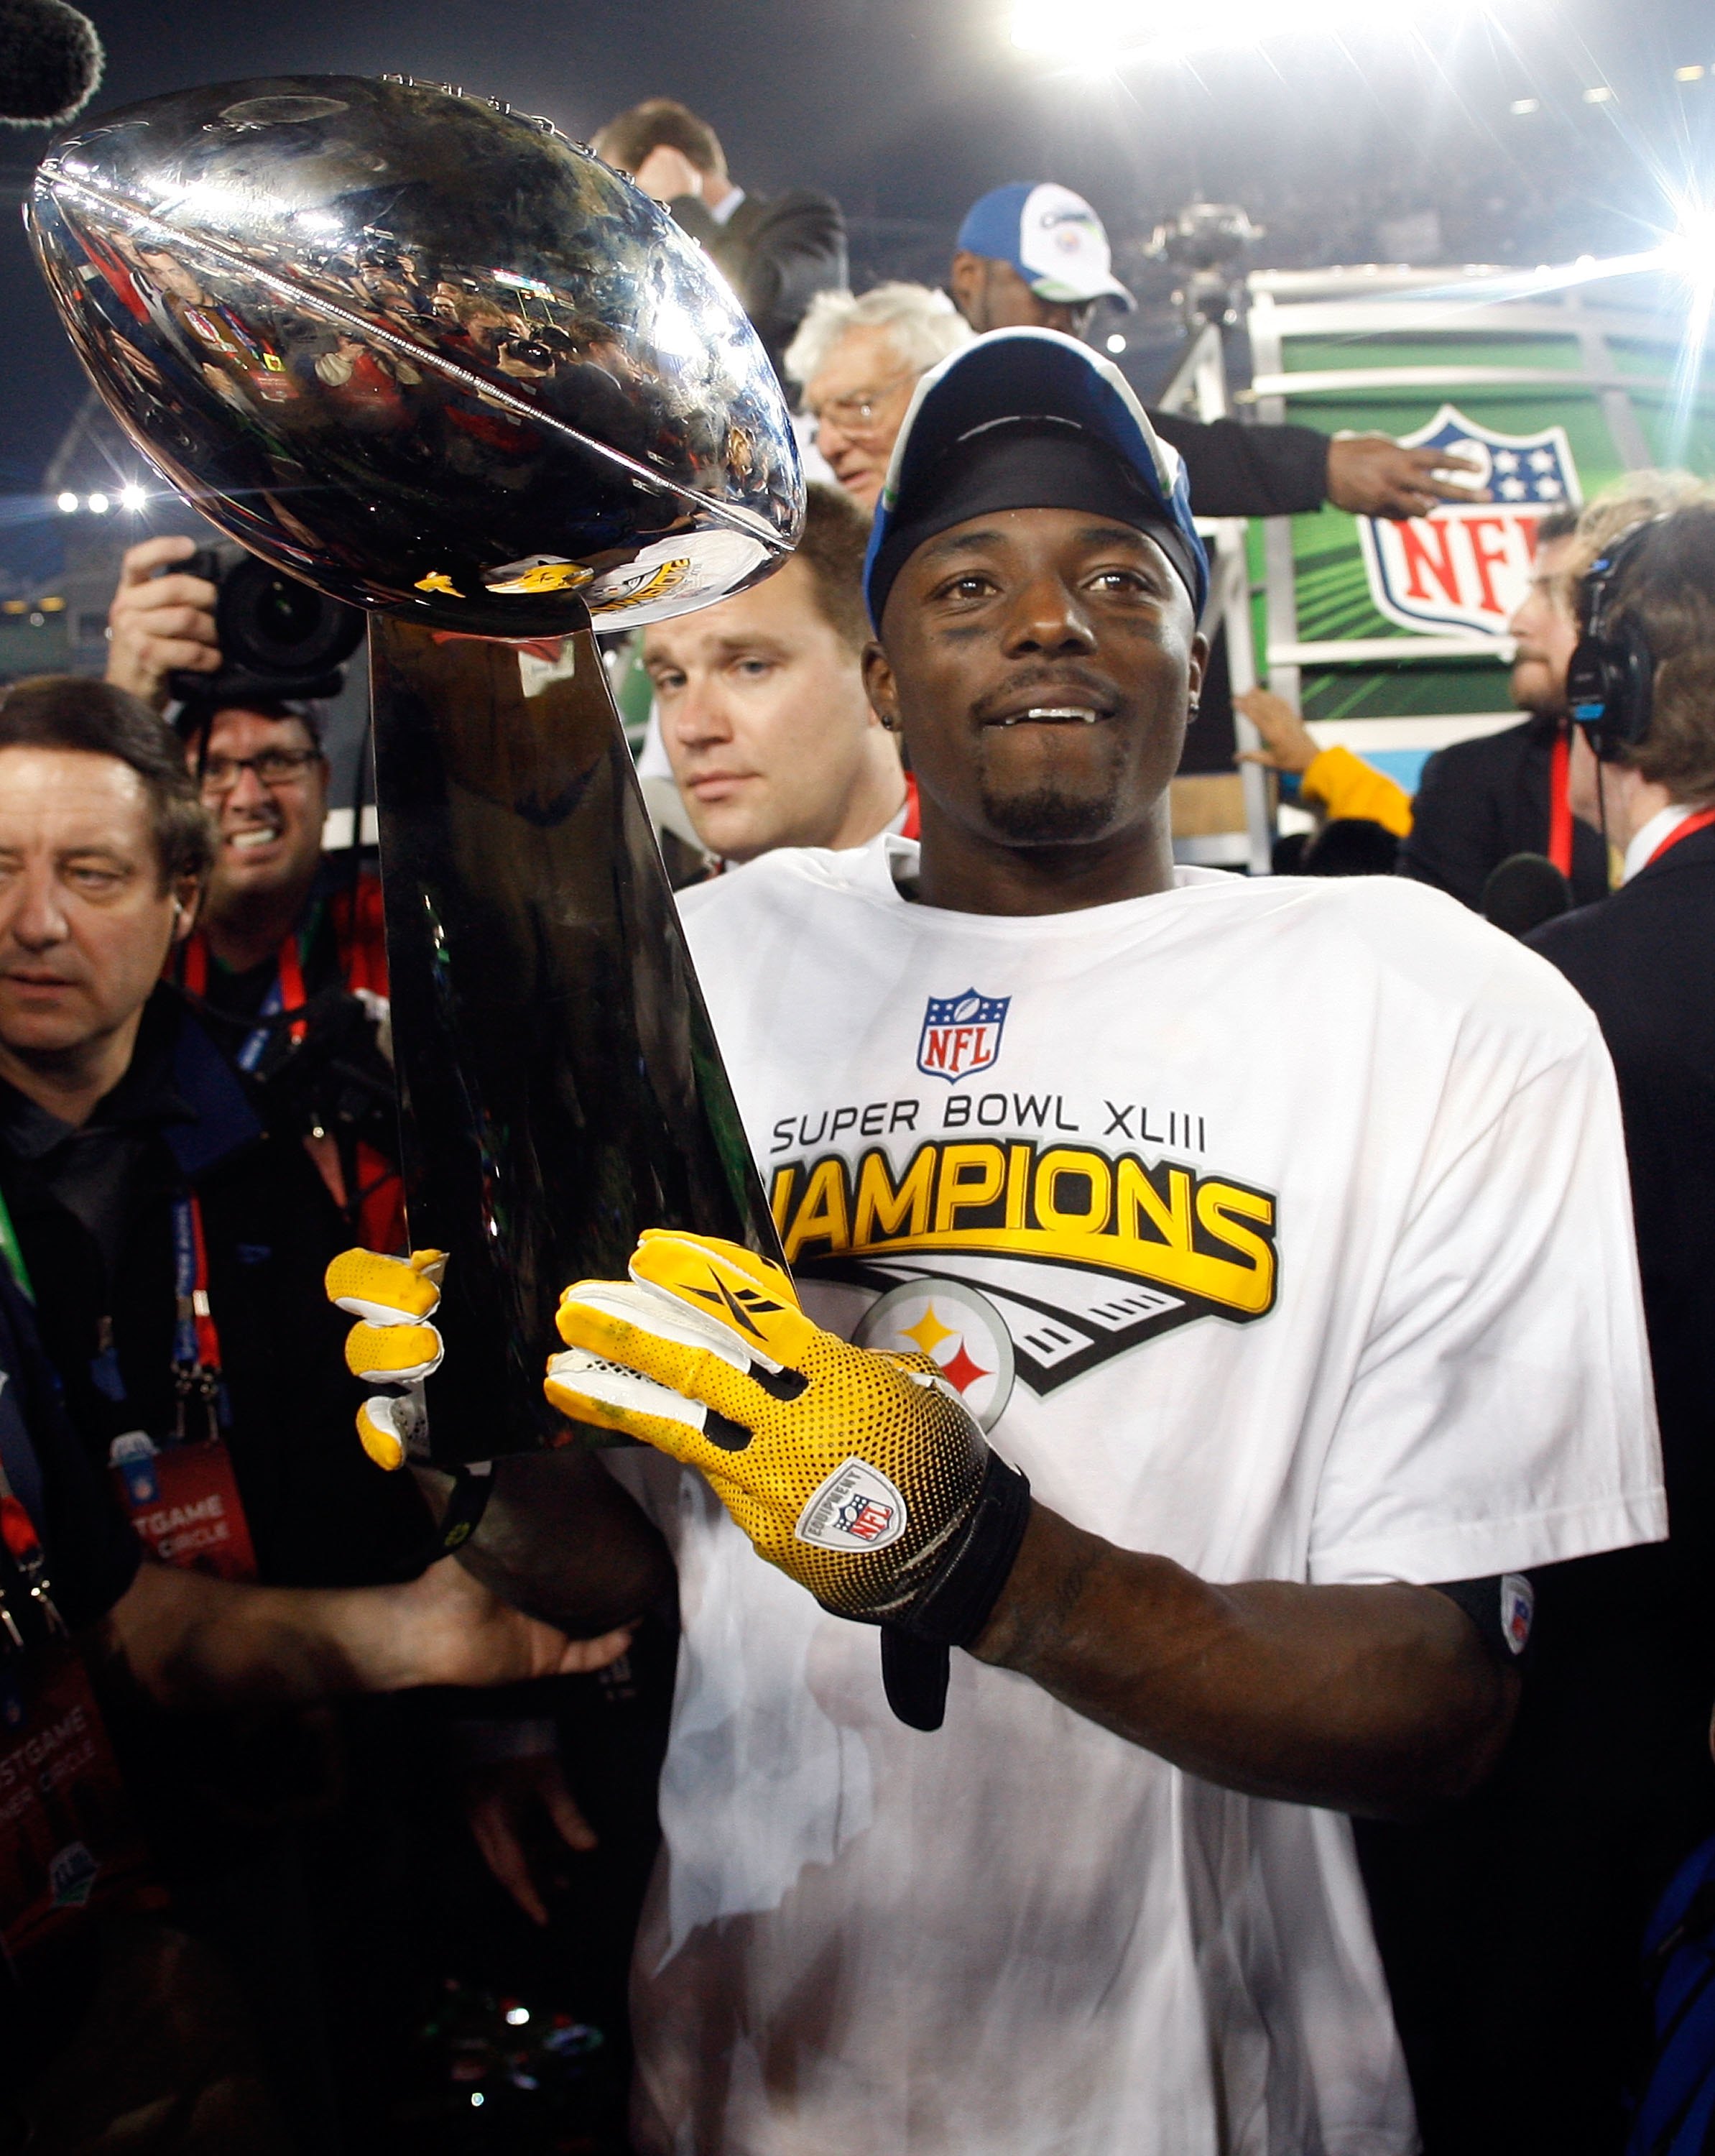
<point>1517,1609</point>
<point>856,1509</point>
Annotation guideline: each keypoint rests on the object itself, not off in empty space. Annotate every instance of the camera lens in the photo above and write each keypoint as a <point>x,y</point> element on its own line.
<point>269,623</point>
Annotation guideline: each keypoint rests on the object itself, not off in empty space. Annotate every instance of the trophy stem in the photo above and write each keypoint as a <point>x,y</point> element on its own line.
<point>560,1086</point>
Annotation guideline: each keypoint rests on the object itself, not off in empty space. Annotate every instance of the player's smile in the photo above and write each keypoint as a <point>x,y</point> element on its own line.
<point>1061,699</point>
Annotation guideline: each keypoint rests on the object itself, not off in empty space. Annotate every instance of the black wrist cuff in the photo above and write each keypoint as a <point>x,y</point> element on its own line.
<point>958,1603</point>
<point>468,1501</point>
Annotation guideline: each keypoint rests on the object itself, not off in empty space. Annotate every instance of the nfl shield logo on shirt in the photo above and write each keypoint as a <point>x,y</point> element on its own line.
<point>1466,565</point>
<point>960,1034</point>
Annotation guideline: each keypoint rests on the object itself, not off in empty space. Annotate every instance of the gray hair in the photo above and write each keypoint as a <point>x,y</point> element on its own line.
<point>926,326</point>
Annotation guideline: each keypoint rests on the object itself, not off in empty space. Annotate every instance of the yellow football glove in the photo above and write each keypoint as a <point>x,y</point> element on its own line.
<point>860,1473</point>
<point>395,1344</point>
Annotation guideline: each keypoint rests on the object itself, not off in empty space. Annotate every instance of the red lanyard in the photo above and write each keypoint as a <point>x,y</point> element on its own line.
<point>1560,803</point>
<point>23,1546</point>
<point>288,975</point>
<point>195,1346</point>
<point>912,828</point>
<point>1700,822</point>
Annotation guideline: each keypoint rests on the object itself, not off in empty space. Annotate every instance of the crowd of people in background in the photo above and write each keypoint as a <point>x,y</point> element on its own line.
<point>196,1119</point>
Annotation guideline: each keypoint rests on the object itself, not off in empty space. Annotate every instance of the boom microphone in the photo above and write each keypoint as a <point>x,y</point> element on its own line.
<point>50,62</point>
<point>1524,892</point>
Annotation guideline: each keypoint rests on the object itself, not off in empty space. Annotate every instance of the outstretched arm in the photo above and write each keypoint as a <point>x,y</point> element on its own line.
<point>186,1640</point>
<point>1378,1700</point>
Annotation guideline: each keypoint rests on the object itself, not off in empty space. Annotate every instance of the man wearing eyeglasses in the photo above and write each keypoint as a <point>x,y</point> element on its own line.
<point>288,960</point>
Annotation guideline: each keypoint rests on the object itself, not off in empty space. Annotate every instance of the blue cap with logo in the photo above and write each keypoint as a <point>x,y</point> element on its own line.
<point>1028,419</point>
<point>1051,238</point>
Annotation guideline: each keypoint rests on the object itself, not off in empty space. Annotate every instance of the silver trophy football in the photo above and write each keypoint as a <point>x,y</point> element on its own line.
<point>430,356</point>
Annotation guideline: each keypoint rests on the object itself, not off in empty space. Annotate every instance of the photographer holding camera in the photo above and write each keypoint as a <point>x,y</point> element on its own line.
<point>287,964</point>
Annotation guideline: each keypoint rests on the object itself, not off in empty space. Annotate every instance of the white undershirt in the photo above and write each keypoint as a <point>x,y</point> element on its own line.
<point>1644,842</point>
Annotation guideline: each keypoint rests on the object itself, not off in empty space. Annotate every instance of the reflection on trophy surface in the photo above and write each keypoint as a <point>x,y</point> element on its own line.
<point>432,357</point>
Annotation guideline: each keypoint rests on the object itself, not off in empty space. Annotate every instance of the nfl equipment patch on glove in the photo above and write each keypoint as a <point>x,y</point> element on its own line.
<point>860,1473</point>
<point>394,1345</point>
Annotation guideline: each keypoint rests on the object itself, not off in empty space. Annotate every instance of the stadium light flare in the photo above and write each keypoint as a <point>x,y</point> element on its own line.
<point>1690,251</point>
<point>98,505</point>
<point>1102,34</point>
<point>132,497</point>
<point>66,505</point>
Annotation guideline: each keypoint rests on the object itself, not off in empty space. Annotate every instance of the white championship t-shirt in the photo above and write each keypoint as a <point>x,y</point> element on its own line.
<point>1279,1227</point>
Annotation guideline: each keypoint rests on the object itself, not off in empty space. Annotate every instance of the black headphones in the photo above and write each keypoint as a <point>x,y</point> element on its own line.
<point>1610,678</point>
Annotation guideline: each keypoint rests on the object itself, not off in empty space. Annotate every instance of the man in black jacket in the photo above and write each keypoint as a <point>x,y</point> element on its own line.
<point>1512,1927</point>
<point>1645,961</point>
<point>1035,255</point>
<point>775,251</point>
<point>1482,800</point>
<point>174,1250</point>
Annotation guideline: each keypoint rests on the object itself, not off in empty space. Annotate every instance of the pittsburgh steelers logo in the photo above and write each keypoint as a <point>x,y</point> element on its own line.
<point>958,1328</point>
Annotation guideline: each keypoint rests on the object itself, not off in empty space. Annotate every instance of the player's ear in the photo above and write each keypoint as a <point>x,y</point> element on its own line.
<point>880,686</point>
<point>187,901</point>
<point>1195,666</point>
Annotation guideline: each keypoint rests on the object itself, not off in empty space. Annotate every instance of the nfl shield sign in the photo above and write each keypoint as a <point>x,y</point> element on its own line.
<point>1466,565</point>
<point>960,1034</point>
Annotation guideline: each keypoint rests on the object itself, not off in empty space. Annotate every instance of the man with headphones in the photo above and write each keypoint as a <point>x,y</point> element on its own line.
<point>1640,686</point>
<point>1513,1927</point>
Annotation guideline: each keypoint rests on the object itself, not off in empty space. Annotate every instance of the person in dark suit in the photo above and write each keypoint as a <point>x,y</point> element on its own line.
<point>1644,960</point>
<point>775,251</point>
<point>1512,1927</point>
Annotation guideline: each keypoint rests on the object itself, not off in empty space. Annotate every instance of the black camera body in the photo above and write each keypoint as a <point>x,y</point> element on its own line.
<point>279,638</point>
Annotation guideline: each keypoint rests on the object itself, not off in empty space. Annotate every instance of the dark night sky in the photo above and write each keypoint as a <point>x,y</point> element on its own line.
<point>907,111</point>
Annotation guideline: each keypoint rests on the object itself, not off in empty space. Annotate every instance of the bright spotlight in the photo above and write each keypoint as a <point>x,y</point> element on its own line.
<point>1116,344</point>
<point>1521,106</point>
<point>1690,251</point>
<point>1104,33</point>
<point>66,505</point>
<point>1688,75</point>
<point>1600,95</point>
<point>132,497</point>
<point>99,504</point>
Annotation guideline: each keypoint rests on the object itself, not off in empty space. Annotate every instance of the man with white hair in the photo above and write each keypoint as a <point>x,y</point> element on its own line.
<point>859,361</point>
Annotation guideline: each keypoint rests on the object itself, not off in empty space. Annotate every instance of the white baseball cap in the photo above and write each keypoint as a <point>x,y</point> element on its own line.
<point>1051,238</point>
